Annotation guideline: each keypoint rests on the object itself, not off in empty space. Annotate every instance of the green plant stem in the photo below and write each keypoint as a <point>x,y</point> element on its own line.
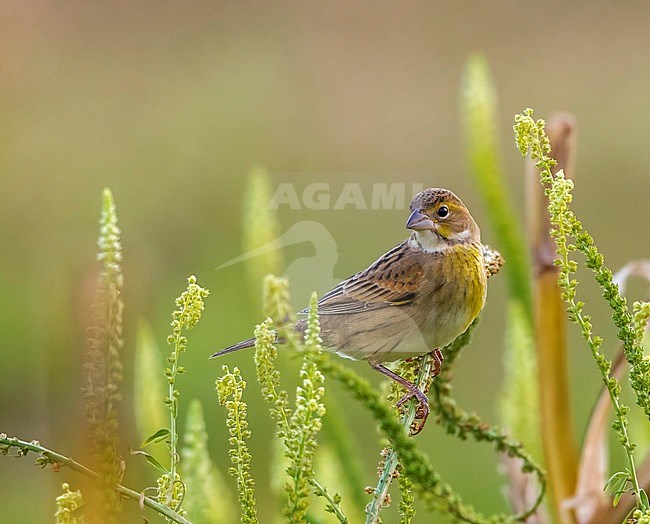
<point>390,464</point>
<point>269,378</point>
<point>230,389</point>
<point>306,419</point>
<point>295,499</point>
<point>461,424</point>
<point>550,327</point>
<point>434,491</point>
<point>333,504</point>
<point>610,382</point>
<point>173,410</point>
<point>532,140</point>
<point>242,473</point>
<point>53,457</point>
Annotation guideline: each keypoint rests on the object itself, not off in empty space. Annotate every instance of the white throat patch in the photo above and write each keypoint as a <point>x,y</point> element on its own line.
<point>428,241</point>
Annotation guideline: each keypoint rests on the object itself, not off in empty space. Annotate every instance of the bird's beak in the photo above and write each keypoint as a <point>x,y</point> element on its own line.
<point>418,221</point>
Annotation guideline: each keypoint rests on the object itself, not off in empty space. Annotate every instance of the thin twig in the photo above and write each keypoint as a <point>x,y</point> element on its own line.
<point>52,457</point>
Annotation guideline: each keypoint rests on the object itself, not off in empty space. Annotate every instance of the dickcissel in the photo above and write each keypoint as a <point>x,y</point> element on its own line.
<point>413,300</point>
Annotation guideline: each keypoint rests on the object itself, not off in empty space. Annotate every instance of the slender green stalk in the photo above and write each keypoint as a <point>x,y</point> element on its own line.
<point>531,139</point>
<point>306,421</point>
<point>173,409</point>
<point>48,456</point>
<point>552,381</point>
<point>391,461</point>
<point>269,377</point>
<point>231,389</point>
<point>333,502</point>
<point>189,307</point>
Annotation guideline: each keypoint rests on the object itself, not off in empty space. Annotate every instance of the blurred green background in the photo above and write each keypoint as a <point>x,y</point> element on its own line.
<point>170,104</point>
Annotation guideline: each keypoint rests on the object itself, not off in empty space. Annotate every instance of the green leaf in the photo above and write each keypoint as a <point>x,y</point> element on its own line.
<point>158,436</point>
<point>151,460</point>
<point>615,480</point>
<point>617,485</point>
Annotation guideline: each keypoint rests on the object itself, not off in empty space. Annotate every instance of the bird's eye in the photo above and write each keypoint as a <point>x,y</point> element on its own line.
<point>443,211</point>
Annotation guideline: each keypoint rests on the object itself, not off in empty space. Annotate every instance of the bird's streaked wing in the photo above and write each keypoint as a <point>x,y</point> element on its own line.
<point>393,280</point>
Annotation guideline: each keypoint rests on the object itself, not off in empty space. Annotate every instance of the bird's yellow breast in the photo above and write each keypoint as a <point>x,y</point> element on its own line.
<point>457,289</point>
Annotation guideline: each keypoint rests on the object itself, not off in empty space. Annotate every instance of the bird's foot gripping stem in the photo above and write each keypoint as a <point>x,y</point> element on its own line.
<point>412,391</point>
<point>421,412</point>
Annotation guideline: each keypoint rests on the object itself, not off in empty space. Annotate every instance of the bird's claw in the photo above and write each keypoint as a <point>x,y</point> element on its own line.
<point>421,412</point>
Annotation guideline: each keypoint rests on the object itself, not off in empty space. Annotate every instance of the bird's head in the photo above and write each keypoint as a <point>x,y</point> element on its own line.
<point>440,219</point>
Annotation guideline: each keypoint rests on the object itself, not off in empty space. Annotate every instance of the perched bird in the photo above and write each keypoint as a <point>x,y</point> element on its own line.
<point>413,300</point>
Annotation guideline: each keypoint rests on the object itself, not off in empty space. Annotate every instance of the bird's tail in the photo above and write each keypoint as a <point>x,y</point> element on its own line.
<point>241,345</point>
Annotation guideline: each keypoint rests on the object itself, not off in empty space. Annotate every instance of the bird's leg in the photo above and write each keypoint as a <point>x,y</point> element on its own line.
<point>412,391</point>
<point>438,361</point>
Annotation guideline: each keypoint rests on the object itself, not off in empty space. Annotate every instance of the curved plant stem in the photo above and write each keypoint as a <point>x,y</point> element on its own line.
<point>433,490</point>
<point>611,383</point>
<point>532,140</point>
<point>333,505</point>
<point>461,424</point>
<point>390,464</point>
<point>550,328</point>
<point>47,456</point>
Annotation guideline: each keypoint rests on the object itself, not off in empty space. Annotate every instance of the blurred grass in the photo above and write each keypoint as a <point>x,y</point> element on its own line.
<point>260,228</point>
<point>478,109</point>
<point>149,385</point>
<point>519,399</point>
<point>170,105</point>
